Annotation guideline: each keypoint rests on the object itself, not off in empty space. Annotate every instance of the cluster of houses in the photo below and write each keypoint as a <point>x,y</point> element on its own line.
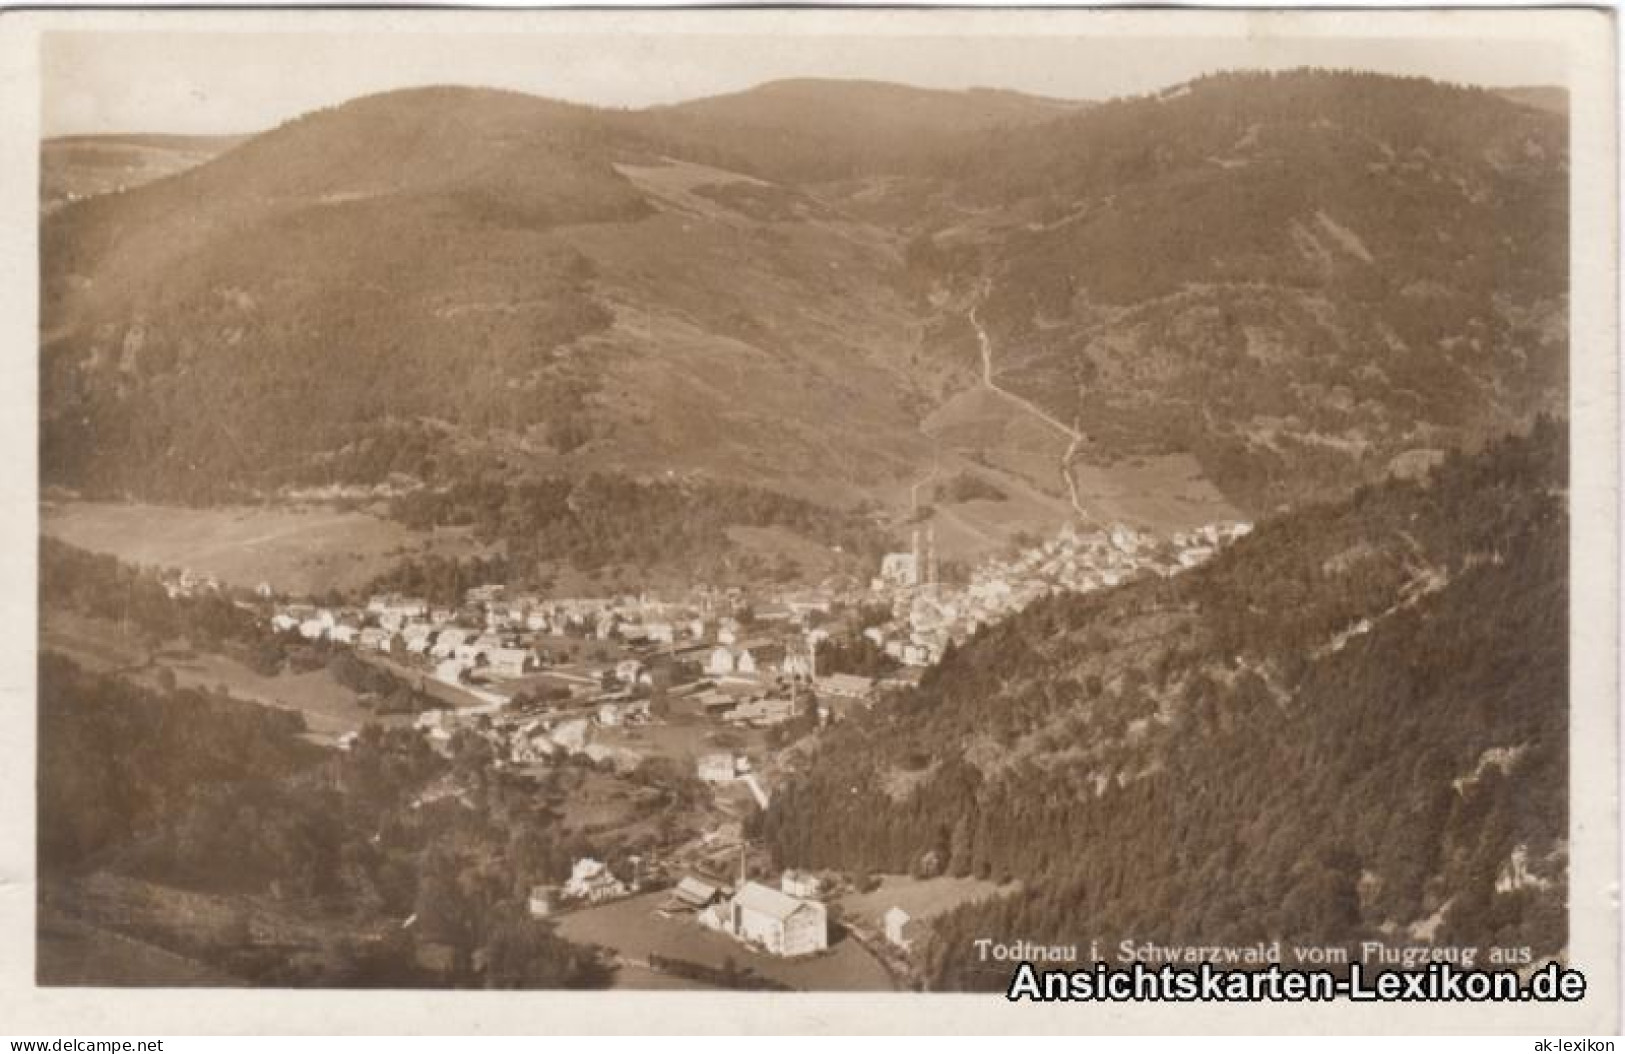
<point>788,921</point>
<point>704,657</point>
<point>187,583</point>
<point>739,661</point>
<point>547,672</point>
<point>928,614</point>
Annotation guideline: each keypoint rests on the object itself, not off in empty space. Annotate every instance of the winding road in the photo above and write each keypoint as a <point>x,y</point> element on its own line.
<point>1074,436</point>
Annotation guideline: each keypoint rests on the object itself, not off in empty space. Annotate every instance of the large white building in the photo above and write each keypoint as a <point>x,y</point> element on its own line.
<point>777,922</point>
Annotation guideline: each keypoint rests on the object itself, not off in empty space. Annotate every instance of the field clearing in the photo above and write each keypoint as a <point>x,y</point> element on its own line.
<point>922,898</point>
<point>633,929</point>
<point>674,183</point>
<point>1165,493</point>
<point>298,550</point>
<point>682,741</point>
<point>978,419</point>
<point>771,544</point>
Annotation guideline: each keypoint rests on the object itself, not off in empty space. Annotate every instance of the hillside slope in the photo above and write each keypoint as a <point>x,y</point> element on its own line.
<point>455,275</point>
<point>1350,726</point>
<point>1296,277</point>
<point>1266,287</point>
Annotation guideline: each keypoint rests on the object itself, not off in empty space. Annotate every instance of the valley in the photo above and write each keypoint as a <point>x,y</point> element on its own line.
<point>303,548</point>
<point>777,540</point>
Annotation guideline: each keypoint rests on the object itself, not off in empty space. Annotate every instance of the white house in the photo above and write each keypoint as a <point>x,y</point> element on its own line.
<point>720,662</point>
<point>800,884</point>
<point>717,768</point>
<point>777,922</point>
<point>591,880</point>
<point>692,894</point>
<point>447,643</point>
<point>508,662</point>
<point>798,662</point>
<point>899,927</point>
<point>725,660</point>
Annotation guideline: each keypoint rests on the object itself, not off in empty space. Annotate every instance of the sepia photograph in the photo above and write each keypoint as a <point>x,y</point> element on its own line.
<point>753,503</point>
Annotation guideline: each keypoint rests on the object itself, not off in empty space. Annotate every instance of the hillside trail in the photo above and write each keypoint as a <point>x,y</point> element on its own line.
<point>1074,435</point>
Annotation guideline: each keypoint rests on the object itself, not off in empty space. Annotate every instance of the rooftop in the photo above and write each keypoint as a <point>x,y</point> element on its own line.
<point>767,901</point>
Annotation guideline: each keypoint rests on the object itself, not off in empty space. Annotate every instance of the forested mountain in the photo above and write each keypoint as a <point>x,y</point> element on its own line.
<point>1297,277</point>
<point>1303,280</point>
<point>1345,727</point>
<point>414,281</point>
<point>810,131</point>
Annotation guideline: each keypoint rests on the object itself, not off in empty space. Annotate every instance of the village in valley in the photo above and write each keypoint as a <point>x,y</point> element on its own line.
<point>789,527</point>
<point>726,689</point>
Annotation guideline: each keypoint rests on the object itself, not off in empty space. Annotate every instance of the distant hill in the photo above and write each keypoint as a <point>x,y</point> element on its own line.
<point>1273,287</point>
<point>812,130</point>
<point>81,166</point>
<point>1351,725</point>
<point>1550,99</point>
